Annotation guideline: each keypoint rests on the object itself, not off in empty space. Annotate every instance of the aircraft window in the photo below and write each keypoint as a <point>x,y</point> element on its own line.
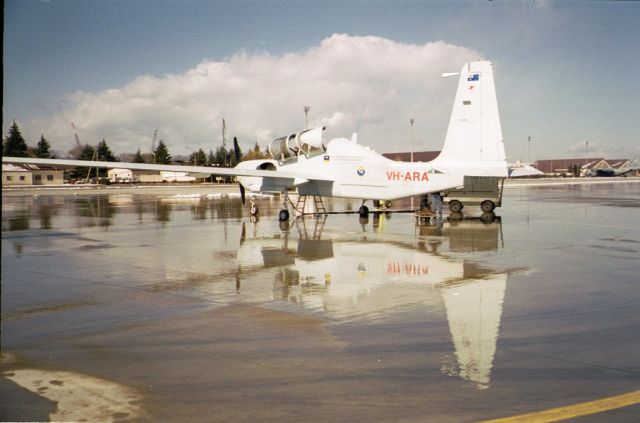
<point>466,103</point>
<point>277,148</point>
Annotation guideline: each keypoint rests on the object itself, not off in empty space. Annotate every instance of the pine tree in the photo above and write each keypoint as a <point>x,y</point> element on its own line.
<point>221,156</point>
<point>138,157</point>
<point>87,153</point>
<point>43,149</point>
<point>211,158</point>
<point>82,152</point>
<point>104,153</point>
<point>201,158</point>
<point>254,154</point>
<point>14,145</point>
<point>162,154</point>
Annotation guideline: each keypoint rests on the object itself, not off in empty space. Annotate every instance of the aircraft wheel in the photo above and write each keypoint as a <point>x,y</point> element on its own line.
<point>455,206</point>
<point>387,204</point>
<point>488,217</point>
<point>254,210</point>
<point>363,211</point>
<point>284,215</point>
<point>487,206</point>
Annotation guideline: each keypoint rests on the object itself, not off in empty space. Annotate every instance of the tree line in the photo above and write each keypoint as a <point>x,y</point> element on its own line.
<point>14,145</point>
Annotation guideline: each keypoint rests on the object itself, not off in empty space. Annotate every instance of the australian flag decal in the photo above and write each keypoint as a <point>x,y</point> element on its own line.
<point>474,77</point>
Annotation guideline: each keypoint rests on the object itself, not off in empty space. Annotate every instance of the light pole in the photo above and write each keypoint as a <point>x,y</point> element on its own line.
<point>194,154</point>
<point>306,116</point>
<point>529,150</point>
<point>412,121</point>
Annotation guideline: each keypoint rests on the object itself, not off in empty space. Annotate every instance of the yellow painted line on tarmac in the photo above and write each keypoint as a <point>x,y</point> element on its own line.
<point>576,410</point>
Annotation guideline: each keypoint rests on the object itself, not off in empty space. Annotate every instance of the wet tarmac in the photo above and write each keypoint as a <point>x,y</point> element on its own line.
<point>179,306</point>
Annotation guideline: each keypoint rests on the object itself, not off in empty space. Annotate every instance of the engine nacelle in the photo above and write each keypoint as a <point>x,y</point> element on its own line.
<point>257,165</point>
<point>256,183</point>
<point>306,142</point>
<point>311,138</point>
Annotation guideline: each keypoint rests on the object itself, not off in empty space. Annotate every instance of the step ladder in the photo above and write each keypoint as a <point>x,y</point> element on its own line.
<point>300,207</point>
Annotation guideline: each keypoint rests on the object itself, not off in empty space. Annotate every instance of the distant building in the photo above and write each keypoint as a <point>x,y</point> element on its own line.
<point>176,177</point>
<point>118,175</point>
<point>15,175</point>
<point>121,175</point>
<point>29,174</point>
<point>585,166</point>
<point>564,166</point>
<point>619,163</point>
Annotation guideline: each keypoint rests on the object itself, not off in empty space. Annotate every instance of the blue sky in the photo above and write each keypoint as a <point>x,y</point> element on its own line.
<point>566,71</point>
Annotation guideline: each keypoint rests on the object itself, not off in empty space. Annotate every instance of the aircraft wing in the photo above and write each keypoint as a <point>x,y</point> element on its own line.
<point>297,177</point>
<point>519,170</point>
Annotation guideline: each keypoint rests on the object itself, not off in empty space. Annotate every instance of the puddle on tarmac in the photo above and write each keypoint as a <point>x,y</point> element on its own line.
<point>80,397</point>
<point>128,286</point>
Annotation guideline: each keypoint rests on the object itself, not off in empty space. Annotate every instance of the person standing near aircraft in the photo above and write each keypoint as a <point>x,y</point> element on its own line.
<point>424,203</point>
<point>436,203</point>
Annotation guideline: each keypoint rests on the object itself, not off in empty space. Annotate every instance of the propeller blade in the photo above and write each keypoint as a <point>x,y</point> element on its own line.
<point>236,150</point>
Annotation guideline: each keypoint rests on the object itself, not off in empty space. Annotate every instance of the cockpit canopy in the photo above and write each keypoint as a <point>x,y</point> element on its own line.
<point>307,142</point>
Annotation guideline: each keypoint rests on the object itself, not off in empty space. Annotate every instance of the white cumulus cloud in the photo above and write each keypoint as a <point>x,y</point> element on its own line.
<point>369,85</point>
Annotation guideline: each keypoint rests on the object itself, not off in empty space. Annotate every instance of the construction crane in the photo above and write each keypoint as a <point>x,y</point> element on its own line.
<point>75,133</point>
<point>93,158</point>
<point>224,141</point>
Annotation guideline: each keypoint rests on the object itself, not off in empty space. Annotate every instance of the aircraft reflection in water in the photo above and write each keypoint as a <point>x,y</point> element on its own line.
<point>357,276</point>
<point>375,275</point>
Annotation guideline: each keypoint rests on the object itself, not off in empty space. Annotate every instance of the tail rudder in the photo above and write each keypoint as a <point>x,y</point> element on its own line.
<point>474,137</point>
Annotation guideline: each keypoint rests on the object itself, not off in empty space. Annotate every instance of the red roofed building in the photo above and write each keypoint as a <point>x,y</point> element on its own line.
<point>563,166</point>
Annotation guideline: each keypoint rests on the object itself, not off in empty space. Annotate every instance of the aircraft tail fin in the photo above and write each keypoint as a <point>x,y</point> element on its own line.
<point>474,138</point>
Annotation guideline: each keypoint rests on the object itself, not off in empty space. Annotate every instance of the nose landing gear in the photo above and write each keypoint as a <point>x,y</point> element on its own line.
<point>363,211</point>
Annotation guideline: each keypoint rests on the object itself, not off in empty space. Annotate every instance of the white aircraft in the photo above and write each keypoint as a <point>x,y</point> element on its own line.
<point>610,171</point>
<point>343,168</point>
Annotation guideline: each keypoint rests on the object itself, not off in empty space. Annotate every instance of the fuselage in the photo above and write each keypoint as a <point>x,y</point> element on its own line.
<point>347,169</point>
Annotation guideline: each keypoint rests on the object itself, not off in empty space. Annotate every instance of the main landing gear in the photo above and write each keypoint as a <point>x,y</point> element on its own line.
<point>303,206</point>
<point>283,216</point>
